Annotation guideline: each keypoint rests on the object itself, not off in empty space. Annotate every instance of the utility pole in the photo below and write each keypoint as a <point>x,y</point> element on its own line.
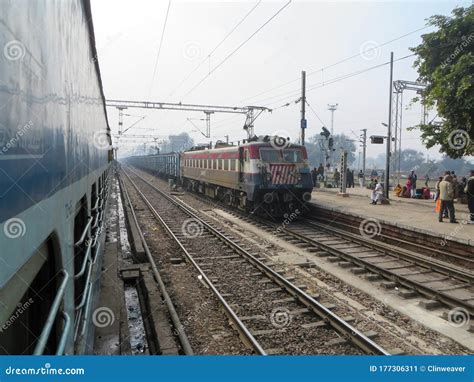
<point>303,105</point>
<point>389,131</point>
<point>364,149</point>
<point>332,107</point>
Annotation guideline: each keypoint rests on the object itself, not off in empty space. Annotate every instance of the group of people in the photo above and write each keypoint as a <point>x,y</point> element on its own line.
<point>448,188</point>
<point>317,174</point>
<point>349,178</point>
<point>409,190</point>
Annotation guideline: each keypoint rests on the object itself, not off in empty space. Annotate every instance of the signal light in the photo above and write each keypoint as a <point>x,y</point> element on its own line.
<point>326,133</point>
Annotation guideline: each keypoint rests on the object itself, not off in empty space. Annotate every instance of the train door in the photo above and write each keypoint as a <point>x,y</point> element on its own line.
<point>241,164</point>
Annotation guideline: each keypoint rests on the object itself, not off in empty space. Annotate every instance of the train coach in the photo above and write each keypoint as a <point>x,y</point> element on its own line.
<point>55,153</point>
<point>265,174</point>
<point>164,165</point>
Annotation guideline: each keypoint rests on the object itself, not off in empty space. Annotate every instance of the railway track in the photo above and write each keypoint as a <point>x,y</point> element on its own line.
<point>271,314</point>
<point>434,250</point>
<point>416,274</point>
<point>181,342</point>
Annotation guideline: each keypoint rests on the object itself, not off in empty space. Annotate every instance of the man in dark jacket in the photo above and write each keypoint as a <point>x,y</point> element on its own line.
<point>321,171</point>
<point>469,189</point>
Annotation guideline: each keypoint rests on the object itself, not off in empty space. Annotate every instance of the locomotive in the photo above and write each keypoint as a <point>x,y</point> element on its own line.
<point>263,175</point>
<point>54,165</point>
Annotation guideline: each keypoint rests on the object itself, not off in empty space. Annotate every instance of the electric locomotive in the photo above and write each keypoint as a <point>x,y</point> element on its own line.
<point>265,174</point>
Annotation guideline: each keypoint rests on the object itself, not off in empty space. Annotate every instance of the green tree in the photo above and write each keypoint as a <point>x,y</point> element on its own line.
<point>445,63</point>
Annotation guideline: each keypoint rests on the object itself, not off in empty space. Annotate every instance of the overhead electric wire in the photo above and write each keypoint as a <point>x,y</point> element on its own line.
<point>314,112</point>
<point>318,85</point>
<point>288,102</point>
<point>159,49</point>
<point>337,63</point>
<point>237,49</point>
<point>215,48</point>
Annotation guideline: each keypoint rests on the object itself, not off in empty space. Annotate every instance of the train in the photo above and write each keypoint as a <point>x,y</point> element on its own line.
<point>264,175</point>
<point>55,161</point>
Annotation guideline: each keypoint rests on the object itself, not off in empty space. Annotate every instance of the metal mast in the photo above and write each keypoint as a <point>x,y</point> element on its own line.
<point>332,107</point>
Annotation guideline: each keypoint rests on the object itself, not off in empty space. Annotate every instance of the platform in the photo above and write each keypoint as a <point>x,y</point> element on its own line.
<point>414,214</point>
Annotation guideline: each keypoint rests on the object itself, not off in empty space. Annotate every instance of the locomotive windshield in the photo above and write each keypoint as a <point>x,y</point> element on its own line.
<point>286,155</point>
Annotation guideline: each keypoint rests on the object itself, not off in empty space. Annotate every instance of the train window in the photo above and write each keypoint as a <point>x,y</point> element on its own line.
<point>214,164</point>
<point>220,164</point>
<point>226,164</point>
<point>31,312</point>
<point>292,156</point>
<point>232,165</point>
<point>246,155</point>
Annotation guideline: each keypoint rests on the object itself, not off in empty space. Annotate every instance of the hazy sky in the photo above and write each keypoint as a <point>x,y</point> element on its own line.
<point>306,35</point>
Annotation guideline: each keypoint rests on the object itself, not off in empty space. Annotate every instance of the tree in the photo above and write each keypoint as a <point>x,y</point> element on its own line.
<point>177,143</point>
<point>344,143</point>
<point>445,63</point>
<point>410,159</point>
<point>315,147</point>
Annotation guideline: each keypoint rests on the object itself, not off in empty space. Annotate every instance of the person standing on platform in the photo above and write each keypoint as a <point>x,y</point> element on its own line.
<point>314,176</point>
<point>446,194</point>
<point>337,177</point>
<point>321,171</point>
<point>413,178</point>
<point>427,179</point>
<point>469,190</point>
<point>361,178</point>
<point>350,179</point>
<point>455,184</point>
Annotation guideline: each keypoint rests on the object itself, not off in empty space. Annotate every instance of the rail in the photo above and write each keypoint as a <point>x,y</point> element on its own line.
<point>174,316</point>
<point>341,326</point>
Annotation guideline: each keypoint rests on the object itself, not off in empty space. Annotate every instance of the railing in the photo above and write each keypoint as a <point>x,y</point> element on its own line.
<point>96,225</point>
<point>98,212</point>
<point>48,326</point>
